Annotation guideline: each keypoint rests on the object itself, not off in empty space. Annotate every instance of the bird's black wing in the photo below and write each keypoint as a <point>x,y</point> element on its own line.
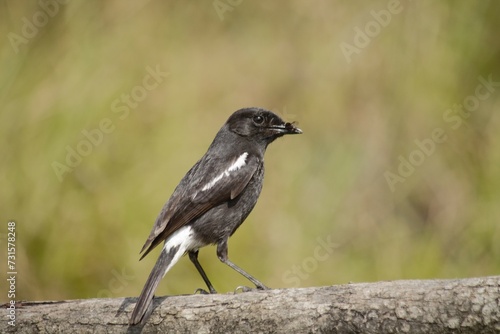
<point>211,181</point>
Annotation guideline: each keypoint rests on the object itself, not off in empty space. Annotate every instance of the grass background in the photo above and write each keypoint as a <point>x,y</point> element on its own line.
<point>80,237</point>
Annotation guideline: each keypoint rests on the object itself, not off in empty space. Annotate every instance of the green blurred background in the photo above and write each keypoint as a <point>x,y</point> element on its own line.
<point>66,67</point>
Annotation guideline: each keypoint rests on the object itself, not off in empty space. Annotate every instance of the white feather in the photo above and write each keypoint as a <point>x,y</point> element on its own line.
<point>184,239</point>
<point>240,162</point>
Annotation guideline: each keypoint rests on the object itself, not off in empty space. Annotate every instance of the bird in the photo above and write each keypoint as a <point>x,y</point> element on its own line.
<point>213,199</point>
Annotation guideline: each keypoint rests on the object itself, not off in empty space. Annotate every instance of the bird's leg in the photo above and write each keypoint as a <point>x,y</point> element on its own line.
<point>193,256</point>
<point>222,255</point>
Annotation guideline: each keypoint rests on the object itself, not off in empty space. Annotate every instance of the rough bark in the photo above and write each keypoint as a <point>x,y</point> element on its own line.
<point>418,306</point>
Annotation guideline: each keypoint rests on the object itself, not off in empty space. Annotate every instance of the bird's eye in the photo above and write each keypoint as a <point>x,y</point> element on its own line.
<point>258,119</point>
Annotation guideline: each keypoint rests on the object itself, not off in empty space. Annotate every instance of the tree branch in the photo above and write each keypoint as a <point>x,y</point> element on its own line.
<point>418,306</point>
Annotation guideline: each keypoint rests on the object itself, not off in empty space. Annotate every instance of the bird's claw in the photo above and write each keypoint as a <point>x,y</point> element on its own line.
<point>244,288</point>
<point>201,291</point>
<point>204,292</point>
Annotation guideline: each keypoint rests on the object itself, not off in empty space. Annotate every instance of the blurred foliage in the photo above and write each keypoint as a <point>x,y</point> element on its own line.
<point>69,71</point>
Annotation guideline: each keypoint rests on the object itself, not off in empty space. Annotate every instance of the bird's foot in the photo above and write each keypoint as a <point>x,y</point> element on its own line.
<point>243,288</point>
<point>204,292</point>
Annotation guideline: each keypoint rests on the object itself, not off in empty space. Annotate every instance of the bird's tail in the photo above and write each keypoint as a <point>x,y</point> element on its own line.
<point>168,257</point>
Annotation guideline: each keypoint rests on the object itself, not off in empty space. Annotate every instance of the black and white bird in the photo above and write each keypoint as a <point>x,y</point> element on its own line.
<point>213,199</point>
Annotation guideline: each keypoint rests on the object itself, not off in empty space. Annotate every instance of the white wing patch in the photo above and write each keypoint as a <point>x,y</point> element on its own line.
<point>240,162</point>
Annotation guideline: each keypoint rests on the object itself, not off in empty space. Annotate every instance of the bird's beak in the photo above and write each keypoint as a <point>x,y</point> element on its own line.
<point>287,129</point>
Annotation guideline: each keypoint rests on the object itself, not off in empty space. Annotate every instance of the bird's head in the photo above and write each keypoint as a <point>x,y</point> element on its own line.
<point>260,124</point>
